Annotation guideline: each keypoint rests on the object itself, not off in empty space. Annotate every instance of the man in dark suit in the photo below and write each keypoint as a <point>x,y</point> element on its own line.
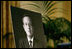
<point>31,41</point>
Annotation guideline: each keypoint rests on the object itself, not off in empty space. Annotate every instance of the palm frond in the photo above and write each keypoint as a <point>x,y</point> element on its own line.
<point>48,17</point>
<point>55,9</point>
<point>46,6</point>
<point>45,3</point>
<point>56,12</point>
<point>51,10</point>
<point>45,18</point>
<point>34,5</point>
<point>36,2</point>
<point>50,6</point>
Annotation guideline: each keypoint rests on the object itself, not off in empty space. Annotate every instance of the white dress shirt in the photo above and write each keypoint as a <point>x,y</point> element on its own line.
<point>30,40</point>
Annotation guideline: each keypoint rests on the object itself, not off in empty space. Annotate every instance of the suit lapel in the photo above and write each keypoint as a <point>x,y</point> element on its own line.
<point>35,43</point>
<point>26,43</point>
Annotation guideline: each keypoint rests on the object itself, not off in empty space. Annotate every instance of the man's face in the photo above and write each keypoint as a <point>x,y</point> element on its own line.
<point>27,25</point>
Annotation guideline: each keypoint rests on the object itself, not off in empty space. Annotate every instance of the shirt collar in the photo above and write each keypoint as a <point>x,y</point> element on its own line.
<point>30,39</point>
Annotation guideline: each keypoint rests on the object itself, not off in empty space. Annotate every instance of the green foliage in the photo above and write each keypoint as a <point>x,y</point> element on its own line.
<point>46,7</point>
<point>58,28</point>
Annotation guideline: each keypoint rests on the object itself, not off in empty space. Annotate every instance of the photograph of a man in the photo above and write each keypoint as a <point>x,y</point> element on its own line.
<point>28,29</point>
<point>27,25</point>
<point>31,41</point>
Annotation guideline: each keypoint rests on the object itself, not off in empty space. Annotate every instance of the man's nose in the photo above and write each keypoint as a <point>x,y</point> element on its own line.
<point>28,27</point>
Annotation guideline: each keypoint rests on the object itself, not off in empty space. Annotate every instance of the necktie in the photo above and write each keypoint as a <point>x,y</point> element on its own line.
<point>30,44</point>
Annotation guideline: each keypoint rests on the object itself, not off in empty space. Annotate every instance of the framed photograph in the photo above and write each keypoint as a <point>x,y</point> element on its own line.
<point>27,28</point>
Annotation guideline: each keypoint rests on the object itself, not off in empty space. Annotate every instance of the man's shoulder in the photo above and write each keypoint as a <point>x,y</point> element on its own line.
<point>22,39</point>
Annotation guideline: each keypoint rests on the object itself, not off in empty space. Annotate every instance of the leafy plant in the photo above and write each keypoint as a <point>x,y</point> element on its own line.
<point>46,8</point>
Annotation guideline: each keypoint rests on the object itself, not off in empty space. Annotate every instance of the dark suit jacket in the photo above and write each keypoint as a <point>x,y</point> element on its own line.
<point>23,43</point>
